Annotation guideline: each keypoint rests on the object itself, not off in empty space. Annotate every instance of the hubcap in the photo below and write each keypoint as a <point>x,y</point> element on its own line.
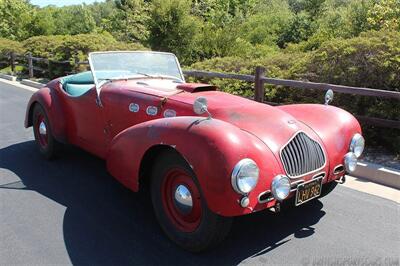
<point>42,128</point>
<point>183,199</point>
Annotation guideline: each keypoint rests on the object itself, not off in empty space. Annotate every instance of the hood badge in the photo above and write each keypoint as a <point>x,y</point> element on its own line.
<point>292,124</point>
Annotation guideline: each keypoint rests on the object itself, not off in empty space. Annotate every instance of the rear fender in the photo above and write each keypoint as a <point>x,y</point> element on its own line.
<point>210,146</point>
<point>333,125</point>
<point>49,99</point>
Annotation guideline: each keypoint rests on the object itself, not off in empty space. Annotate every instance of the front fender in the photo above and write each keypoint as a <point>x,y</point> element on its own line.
<point>333,125</point>
<point>211,147</point>
<point>50,100</point>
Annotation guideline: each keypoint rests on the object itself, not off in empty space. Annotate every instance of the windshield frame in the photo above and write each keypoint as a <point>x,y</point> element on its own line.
<point>99,84</point>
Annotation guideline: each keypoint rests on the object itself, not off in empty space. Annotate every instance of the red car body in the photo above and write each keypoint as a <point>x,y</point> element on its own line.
<point>137,119</point>
<point>240,128</point>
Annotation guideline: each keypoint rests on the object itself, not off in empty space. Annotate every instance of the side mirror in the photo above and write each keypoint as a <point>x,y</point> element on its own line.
<point>328,96</point>
<point>200,106</point>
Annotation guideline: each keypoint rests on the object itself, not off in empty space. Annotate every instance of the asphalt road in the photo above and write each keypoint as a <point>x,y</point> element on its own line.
<point>72,211</point>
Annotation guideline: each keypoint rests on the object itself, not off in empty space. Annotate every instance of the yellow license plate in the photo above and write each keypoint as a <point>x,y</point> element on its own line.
<point>308,191</point>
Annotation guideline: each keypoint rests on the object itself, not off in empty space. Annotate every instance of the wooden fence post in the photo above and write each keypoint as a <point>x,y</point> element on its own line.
<point>76,63</point>
<point>259,90</point>
<point>30,65</point>
<point>12,62</point>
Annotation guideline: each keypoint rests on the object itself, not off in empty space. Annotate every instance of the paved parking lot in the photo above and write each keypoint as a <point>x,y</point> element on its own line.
<point>71,211</point>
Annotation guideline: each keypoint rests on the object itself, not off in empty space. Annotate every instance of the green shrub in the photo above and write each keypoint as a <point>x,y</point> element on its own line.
<point>69,47</point>
<point>7,46</point>
<point>66,47</point>
<point>370,60</point>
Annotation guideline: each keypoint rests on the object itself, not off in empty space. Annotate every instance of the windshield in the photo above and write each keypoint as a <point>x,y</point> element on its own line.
<point>106,66</point>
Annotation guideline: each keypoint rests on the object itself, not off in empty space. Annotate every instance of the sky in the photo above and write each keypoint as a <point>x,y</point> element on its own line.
<point>42,3</point>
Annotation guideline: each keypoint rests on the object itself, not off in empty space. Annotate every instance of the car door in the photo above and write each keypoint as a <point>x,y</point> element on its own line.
<point>87,128</point>
<point>125,108</point>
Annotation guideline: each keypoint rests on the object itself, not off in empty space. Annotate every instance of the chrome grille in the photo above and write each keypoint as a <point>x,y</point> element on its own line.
<point>302,155</point>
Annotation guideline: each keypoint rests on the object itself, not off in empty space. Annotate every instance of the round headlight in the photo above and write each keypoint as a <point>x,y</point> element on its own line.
<point>357,145</point>
<point>350,161</point>
<point>280,187</point>
<point>245,176</point>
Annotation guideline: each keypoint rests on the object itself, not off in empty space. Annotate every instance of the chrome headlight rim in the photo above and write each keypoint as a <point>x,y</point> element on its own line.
<point>357,145</point>
<point>350,162</point>
<point>236,175</point>
<point>274,186</point>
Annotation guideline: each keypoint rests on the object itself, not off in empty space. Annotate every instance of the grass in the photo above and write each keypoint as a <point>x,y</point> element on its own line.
<point>7,70</point>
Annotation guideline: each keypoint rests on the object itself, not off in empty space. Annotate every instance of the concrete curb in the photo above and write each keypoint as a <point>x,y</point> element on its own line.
<point>8,77</point>
<point>32,83</point>
<point>378,174</point>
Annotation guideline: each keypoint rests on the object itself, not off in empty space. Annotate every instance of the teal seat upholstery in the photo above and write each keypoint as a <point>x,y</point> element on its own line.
<point>78,84</point>
<point>77,89</point>
<point>80,78</point>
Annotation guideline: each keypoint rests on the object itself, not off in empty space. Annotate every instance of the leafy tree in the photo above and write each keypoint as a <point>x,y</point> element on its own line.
<point>358,16</point>
<point>102,10</point>
<point>300,28</point>
<point>15,19</point>
<point>385,14</point>
<point>312,7</point>
<point>267,23</point>
<point>44,22</point>
<point>74,20</point>
<point>128,20</point>
<point>345,19</point>
<point>221,13</point>
<point>172,28</point>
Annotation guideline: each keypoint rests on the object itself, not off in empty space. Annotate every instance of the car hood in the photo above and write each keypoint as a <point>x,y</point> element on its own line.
<point>271,125</point>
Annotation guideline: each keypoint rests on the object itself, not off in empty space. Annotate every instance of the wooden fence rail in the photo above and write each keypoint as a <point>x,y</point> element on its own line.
<point>259,80</point>
<point>259,90</point>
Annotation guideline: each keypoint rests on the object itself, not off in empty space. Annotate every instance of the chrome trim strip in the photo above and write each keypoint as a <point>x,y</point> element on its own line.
<point>313,171</point>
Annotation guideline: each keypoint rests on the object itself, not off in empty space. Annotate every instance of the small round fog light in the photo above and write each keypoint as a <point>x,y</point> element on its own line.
<point>350,162</point>
<point>280,187</point>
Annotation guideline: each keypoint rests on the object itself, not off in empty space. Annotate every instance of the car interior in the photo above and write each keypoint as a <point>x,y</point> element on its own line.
<point>78,84</point>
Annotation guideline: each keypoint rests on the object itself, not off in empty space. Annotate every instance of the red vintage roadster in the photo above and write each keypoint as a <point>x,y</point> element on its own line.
<point>207,155</point>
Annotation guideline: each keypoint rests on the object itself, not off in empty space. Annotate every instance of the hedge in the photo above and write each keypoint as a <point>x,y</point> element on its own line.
<point>370,60</point>
<point>64,48</point>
